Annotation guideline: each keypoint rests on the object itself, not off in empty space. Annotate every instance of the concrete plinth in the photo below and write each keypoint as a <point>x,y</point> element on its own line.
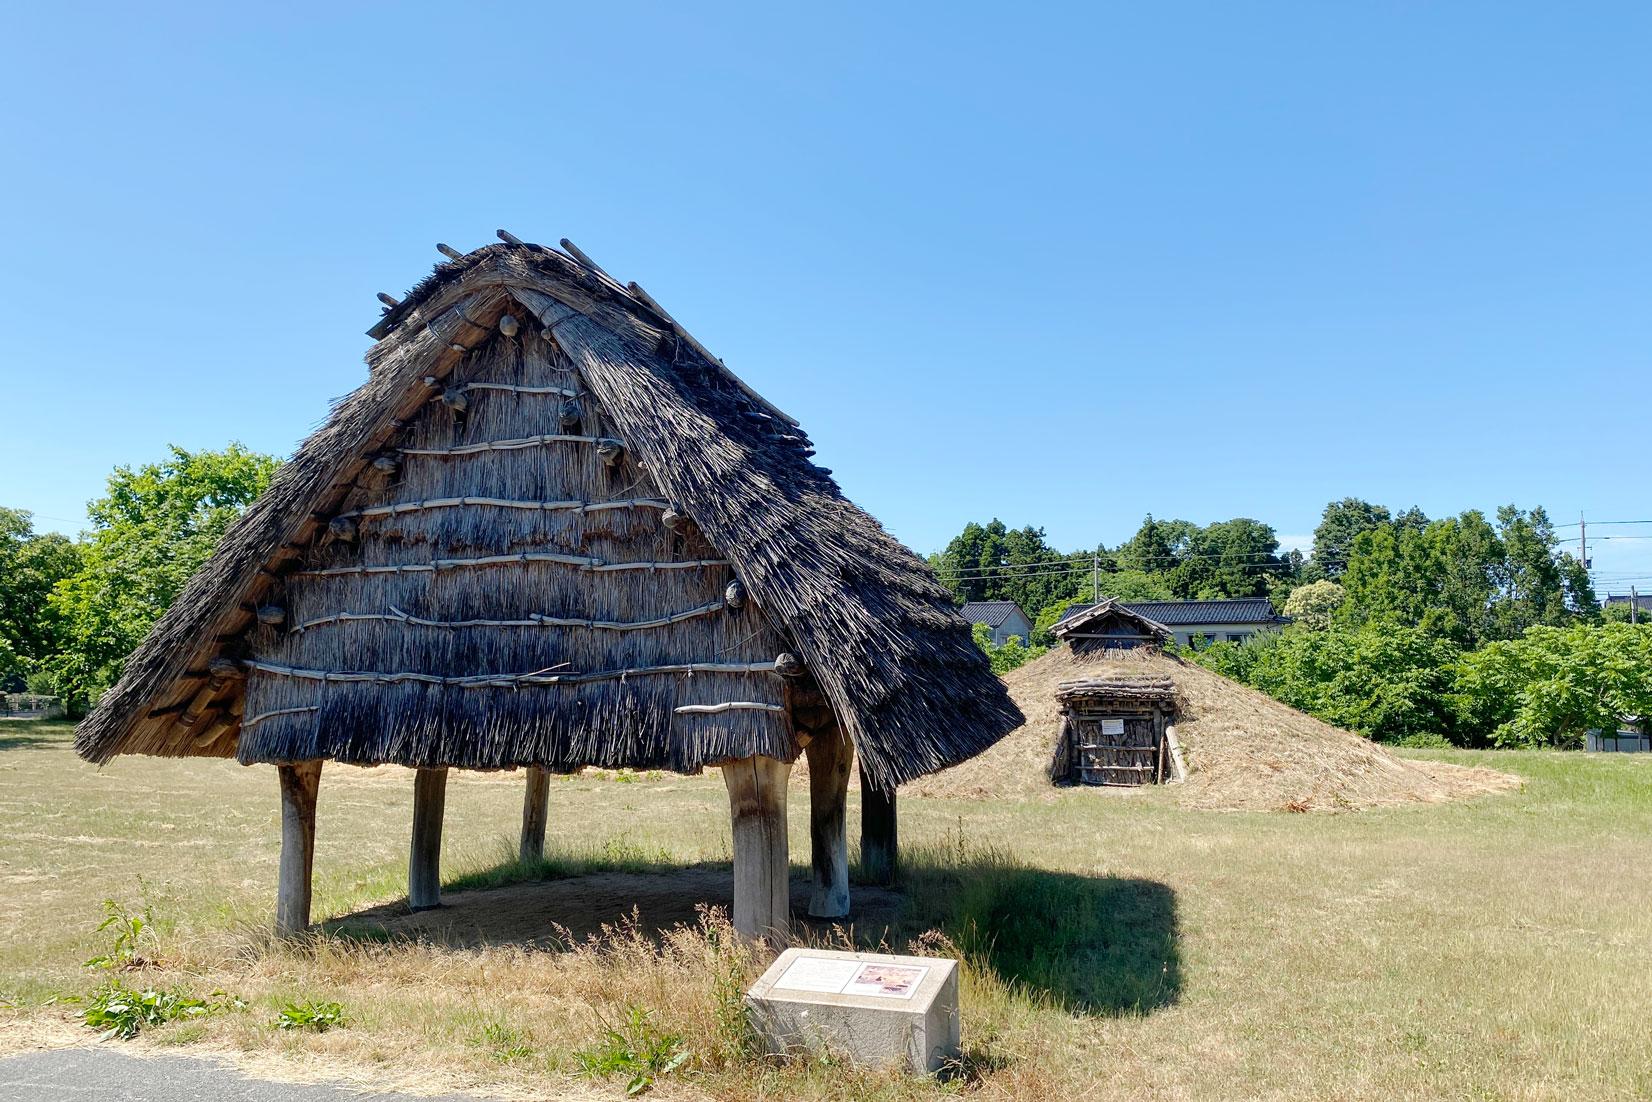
<point>873,1008</point>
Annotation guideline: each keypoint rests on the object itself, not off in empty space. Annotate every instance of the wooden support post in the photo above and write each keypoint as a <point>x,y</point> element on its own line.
<point>424,866</point>
<point>757,806</point>
<point>299,783</point>
<point>829,757</point>
<point>535,803</point>
<point>877,832</point>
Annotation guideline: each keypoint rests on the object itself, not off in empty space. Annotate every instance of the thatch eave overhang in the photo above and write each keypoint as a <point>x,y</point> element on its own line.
<point>867,616</point>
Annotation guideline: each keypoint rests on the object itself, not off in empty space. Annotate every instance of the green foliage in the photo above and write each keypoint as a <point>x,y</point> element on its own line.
<point>1313,605</point>
<point>312,1014</point>
<point>1012,654</point>
<point>1463,579</point>
<point>153,528</point>
<point>30,565</point>
<point>1339,525</point>
<point>122,1012</point>
<point>1622,612</point>
<point>128,932</point>
<point>1551,685</point>
<point>1231,558</point>
<point>994,563</point>
<point>1388,681</point>
<point>637,1049</point>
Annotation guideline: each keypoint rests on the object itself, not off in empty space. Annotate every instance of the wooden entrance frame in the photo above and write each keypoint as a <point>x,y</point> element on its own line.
<point>1085,754</point>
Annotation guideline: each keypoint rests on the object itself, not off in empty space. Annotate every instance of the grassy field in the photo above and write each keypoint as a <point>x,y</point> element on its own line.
<point>1117,946</point>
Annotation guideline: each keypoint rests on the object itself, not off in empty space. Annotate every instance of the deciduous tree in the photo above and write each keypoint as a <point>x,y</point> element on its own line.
<point>156,524</point>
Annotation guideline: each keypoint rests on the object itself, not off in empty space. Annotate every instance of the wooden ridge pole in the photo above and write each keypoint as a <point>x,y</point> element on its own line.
<point>535,808</point>
<point>829,757</point>
<point>299,784</point>
<point>878,833</point>
<point>424,865</point>
<point>757,809</point>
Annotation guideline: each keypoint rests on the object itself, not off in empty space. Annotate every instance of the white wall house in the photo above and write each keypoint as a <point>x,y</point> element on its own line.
<point>1190,622</point>
<point>1003,619</point>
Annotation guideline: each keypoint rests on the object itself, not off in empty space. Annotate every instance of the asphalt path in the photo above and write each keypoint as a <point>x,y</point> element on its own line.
<point>105,1074</point>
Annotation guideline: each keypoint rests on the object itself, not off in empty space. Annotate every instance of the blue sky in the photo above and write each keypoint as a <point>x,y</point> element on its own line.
<point>1061,265</point>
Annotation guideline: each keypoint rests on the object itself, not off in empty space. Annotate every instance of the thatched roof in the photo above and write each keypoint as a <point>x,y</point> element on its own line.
<point>1137,689</point>
<point>1095,620</point>
<point>871,624</point>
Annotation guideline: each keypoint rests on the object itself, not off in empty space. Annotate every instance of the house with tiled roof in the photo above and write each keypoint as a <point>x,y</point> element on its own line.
<point>1003,619</point>
<point>1192,623</point>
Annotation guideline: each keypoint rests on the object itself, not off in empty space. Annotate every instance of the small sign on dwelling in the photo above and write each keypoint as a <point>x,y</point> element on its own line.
<point>874,1008</point>
<point>1112,726</point>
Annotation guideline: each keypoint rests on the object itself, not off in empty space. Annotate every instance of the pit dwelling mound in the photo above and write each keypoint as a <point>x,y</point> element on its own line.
<point>1244,750</point>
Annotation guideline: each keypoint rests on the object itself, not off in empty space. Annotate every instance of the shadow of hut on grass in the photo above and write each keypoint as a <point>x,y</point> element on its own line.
<point>1091,945</point>
<point>11,738</point>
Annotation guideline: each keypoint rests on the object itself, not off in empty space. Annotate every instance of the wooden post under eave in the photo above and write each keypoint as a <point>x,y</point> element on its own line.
<point>535,804</point>
<point>757,808</point>
<point>299,783</point>
<point>424,865</point>
<point>829,758</point>
<point>878,849</point>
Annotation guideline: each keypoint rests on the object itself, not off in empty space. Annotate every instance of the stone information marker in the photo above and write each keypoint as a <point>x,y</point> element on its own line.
<point>874,1008</point>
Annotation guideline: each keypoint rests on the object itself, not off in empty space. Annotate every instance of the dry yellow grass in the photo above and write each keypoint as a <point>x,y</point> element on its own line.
<point>1244,750</point>
<point>1125,948</point>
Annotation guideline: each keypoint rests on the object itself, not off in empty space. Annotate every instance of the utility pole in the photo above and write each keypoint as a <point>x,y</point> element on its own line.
<point>1634,606</point>
<point>1095,577</point>
<point>1583,539</point>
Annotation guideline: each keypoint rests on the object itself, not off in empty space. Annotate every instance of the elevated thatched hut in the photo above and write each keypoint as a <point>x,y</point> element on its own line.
<point>552,531</point>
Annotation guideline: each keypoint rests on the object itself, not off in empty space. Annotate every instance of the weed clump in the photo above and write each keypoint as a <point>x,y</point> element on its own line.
<point>312,1015</point>
<point>637,1049</point>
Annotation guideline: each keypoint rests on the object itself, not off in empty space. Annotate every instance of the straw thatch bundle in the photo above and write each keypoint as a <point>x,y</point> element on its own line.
<point>551,530</point>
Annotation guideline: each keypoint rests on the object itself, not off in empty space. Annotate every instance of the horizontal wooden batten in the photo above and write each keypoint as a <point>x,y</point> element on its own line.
<point>682,564</point>
<point>400,507</point>
<point>727,706</point>
<point>252,721</point>
<point>506,445</point>
<point>535,620</point>
<point>584,562</point>
<point>512,388</point>
<point>487,680</point>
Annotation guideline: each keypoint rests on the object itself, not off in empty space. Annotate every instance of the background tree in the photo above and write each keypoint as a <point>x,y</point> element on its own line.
<point>154,527</point>
<point>1314,605</point>
<point>991,562</point>
<point>30,565</point>
<point>1231,558</point>
<point>1150,550</point>
<point>1552,684</point>
<point>1386,681</point>
<point>1463,579</point>
<point>1339,525</point>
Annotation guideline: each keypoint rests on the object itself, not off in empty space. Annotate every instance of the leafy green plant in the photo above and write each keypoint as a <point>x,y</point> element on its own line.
<point>312,1014</point>
<point>1013,654</point>
<point>504,1043</point>
<point>128,931</point>
<point>735,1029</point>
<point>121,1011</point>
<point>637,1049</point>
